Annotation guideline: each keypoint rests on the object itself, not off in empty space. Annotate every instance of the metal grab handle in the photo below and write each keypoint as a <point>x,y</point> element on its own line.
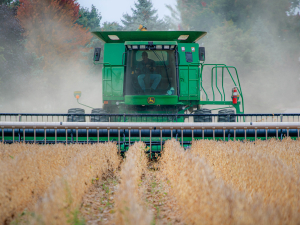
<point>123,58</point>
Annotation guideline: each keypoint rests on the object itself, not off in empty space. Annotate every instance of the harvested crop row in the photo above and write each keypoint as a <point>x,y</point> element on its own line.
<point>205,199</point>
<point>158,199</point>
<point>98,203</point>
<point>58,204</point>
<point>129,207</point>
<point>264,168</point>
<point>27,176</point>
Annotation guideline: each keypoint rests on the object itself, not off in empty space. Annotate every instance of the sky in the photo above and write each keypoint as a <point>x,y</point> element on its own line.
<point>113,10</point>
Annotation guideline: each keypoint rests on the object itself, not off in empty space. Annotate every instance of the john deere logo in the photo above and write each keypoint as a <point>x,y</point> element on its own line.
<point>151,100</point>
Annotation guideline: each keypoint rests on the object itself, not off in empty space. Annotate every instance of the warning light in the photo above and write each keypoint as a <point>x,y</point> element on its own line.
<point>77,94</point>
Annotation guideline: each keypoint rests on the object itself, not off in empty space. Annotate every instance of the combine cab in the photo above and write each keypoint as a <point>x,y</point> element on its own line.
<point>160,72</point>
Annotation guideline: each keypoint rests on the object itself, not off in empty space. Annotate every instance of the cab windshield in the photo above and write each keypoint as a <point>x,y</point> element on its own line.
<point>150,72</point>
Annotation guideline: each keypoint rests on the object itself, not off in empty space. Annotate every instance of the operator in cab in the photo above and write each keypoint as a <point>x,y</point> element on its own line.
<point>146,68</point>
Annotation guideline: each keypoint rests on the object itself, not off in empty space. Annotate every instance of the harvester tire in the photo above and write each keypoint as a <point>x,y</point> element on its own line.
<point>99,118</point>
<point>203,119</point>
<point>75,118</point>
<point>225,119</point>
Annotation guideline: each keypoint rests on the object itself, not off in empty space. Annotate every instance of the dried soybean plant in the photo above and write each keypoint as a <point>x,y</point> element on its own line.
<point>287,150</point>
<point>266,168</point>
<point>205,199</point>
<point>129,207</point>
<point>25,177</point>
<point>8,151</point>
<point>65,193</point>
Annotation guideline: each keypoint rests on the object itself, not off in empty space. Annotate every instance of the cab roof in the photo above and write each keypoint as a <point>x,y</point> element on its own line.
<point>122,36</point>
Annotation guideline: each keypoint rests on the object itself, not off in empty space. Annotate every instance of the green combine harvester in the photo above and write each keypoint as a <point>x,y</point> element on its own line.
<point>149,78</point>
<point>159,72</point>
<point>155,86</point>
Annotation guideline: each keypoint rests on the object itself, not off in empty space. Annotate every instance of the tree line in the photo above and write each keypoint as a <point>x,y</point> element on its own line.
<point>43,30</point>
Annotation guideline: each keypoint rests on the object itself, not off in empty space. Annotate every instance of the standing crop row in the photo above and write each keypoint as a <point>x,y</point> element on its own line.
<point>50,180</point>
<point>130,209</point>
<point>206,199</point>
<point>269,169</point>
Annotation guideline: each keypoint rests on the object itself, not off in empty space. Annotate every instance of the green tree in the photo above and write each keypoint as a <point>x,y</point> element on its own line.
<point>243,12</point>
<point>11,39</point>
<point>143,13</point>
<point>2,61</point>
<point>174,20</point>
<point>94,70</point>
<point>293,28</point>
<point>108,26</point>
<point>5,2</point>
<point>206,14</point>
<point>194,15</point>
<point>231,45</point>
<point>89,18</point>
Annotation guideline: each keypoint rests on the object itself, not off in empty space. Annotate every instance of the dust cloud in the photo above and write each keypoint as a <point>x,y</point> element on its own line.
<point>268,67</point>
<point>56,94</point>
<point>49,87</point>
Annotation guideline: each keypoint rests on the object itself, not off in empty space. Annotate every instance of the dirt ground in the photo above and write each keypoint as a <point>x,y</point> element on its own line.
<point>98,203</point>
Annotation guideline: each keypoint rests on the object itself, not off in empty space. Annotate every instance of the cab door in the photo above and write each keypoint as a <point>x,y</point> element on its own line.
<point>113,72</point>
<point>188,71</point>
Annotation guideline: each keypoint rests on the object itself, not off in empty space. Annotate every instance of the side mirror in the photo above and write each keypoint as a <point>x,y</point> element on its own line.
<point>202,53</point>
<point>97,54</point>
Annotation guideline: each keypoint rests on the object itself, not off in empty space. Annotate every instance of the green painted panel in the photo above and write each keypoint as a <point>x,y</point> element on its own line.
<point>113,79</point>
<point>106,81</point>
<point>142,100</point>
<point>188,83</point>
<point>113,54</point>
<point>188,47</point>
<point>113,72</point>
<point>183,83</point>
